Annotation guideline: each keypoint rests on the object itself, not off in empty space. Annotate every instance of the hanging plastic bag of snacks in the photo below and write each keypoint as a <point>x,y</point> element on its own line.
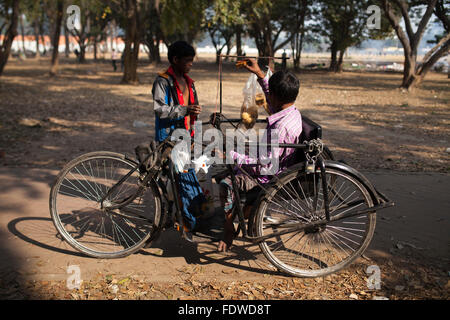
<point>249,109</point>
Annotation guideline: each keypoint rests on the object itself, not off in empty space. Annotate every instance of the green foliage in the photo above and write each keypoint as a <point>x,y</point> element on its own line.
<point>221,20</point>
<point>269,20</point>
<point>344,22</point>
<point>181,19</point>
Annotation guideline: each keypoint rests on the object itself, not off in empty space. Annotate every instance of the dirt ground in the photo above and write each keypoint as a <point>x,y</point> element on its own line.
<point>399,140</point>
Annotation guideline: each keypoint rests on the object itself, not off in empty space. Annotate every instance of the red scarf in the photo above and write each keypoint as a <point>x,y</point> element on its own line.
<point>189,82</point>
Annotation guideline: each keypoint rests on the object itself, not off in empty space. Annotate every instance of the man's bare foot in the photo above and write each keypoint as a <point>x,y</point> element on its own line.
<point>223,247</point>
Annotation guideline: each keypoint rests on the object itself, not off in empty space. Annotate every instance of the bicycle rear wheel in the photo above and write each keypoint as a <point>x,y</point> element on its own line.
<point>87,223</point>
<point>298,198</point>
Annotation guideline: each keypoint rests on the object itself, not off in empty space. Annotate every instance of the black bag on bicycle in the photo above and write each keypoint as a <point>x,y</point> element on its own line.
<point>143,154</point>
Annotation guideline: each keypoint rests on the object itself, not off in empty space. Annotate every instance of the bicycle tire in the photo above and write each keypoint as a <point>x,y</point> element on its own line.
<point>86,224</point>
<point>318,251</point>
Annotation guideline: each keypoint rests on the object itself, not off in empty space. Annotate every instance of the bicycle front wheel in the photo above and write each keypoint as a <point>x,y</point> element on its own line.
<point>82,215</point>
<point>297,199</point>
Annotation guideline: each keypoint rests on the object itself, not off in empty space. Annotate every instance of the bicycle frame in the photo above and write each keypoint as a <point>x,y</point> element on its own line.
<point>319,168</point>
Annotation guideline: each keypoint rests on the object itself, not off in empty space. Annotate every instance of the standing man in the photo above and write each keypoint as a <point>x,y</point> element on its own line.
<point>175,103</point>
<point>114,59</point>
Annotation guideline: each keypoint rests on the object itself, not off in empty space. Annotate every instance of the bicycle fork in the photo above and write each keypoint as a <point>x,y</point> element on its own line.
<point>321,166</point>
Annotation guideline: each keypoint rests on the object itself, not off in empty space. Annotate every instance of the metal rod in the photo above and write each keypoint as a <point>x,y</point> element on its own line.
<point>220,83</point>
<point>231,56</point>
<point>300,226</point>
<point>321,165</point>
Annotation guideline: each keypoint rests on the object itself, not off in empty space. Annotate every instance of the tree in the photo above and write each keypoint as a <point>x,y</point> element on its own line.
<point>9,11</point>
<point>152,32</point>
<point>222,20</point>
<point>298,34</point>
<point>94,17</point>
<point>266,22</point>
<point>272,25</point>
<point>395,10</point>
<point>132,42</point>
<point>182,19</point>
<point>344,24</point>
<point>56,19</point>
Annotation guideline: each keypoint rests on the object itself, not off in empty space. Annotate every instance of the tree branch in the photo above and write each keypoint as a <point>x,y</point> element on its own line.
<point>434,58</point>
<point>2,27</point>
<point>404,10</point>
<point>440,12</point>
<point>394,21</point>
<point>424,21</point>
<point>432,51</point>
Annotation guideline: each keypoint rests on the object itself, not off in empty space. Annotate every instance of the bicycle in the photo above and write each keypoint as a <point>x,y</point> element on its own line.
<point>313,219</point>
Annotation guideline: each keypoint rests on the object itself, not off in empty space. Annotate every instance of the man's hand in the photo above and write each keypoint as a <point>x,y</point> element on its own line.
<point>194,110</point>
<point>252,66</point>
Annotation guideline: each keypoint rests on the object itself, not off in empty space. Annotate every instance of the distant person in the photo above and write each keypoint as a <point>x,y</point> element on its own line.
<point>114,59</point>
<point>283,60</point>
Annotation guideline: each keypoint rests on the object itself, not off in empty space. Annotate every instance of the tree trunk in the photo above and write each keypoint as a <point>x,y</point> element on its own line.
<point>238,41</point>
<point>333,62</point>
<point>36,37</point>
<point>339,66</point>
<point>5,48</point>
<point>413,75</point>
<point>82,56</point>
<point>67,41</point>
<point>22,33</point>
<point>157,52</point>
<point>409,71</point>
<point>131,44</point>
<point>297,49</point>
<point>44,47</point>
<point>95,48</point>
<point>218,53</point>
<point>300,49</point>
<point>56,35</point>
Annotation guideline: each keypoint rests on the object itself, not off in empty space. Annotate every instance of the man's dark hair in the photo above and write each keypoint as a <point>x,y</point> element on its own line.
<point>180,49</point>
<point>284,85</point>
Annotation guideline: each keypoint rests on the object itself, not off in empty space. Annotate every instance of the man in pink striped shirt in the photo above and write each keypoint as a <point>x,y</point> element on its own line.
<point>285,121</point>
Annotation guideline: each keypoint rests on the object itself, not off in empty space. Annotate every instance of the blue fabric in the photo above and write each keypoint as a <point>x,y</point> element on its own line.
<point>163,127</point>
<point>192,197</point>
<point>191,193</point>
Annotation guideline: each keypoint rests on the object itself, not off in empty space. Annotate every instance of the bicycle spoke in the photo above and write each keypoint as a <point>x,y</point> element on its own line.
<point>89,226</point>
<point>320,248</point>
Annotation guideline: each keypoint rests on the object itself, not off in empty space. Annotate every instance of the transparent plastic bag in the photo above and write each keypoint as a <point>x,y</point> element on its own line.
<point>181,160</point>
<point>249,109</point>
<point>254,99</point>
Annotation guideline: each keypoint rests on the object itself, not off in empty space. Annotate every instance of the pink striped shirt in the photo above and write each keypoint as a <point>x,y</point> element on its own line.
<point>287,123</point>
